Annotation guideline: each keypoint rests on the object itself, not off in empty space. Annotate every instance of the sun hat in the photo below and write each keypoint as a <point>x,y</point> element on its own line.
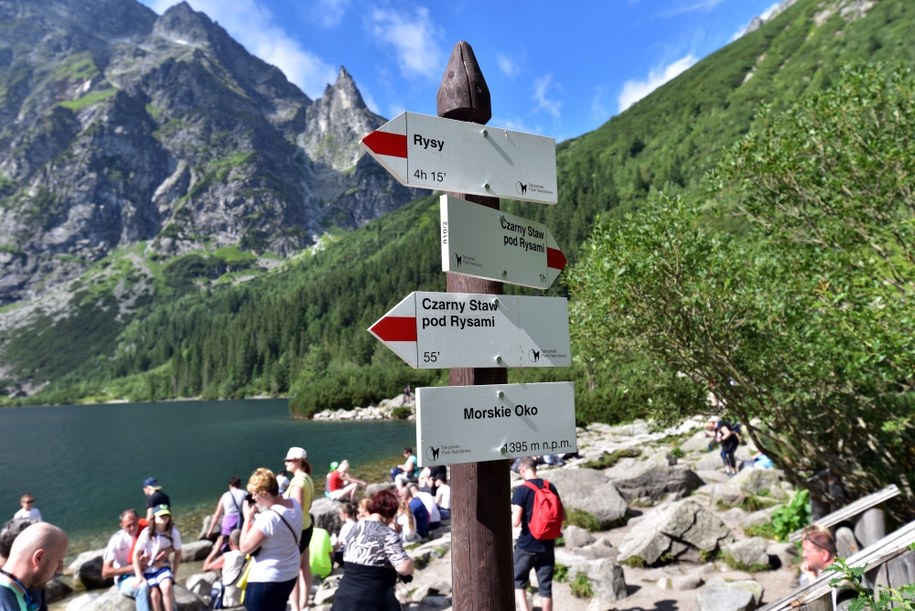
<point>151,482</point>
<point>162,510</point>
<point>296,453</point>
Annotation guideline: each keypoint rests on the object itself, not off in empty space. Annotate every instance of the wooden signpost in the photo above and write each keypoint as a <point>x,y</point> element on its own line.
<point>473,328</point>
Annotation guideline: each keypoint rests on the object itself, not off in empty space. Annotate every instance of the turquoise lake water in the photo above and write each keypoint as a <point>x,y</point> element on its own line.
<point>86,463</point>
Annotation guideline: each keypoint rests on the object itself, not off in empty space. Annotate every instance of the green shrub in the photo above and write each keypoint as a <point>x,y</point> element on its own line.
<point>793,516</point>
<point>766,531</point>
<point>886,599</point>
<point>401,413</point>
<point>608,459</point>
<point>583,519</point>
<point>560,572</point>
<point>581,586</point>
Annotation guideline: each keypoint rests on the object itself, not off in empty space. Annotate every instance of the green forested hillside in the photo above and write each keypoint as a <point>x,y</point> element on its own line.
<point>202,331</point>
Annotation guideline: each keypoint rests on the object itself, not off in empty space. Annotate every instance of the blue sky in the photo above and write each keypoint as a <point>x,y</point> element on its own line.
<point>555,68</point>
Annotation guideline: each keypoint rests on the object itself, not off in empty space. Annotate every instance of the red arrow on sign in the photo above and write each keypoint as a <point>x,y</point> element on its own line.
<point>386,143</point>
<point>395,329</point>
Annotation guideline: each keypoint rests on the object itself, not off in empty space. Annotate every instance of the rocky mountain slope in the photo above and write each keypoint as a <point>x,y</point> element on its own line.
<point>119,126</point>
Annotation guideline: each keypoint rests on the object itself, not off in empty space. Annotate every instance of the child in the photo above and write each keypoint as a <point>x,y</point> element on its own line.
<point>156,544</point>
<point>348,516</point>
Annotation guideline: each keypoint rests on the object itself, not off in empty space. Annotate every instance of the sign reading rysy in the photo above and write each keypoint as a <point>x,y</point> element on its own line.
<point>446,155</point>
<point>442,330</point>
<point>487,243</point>
<point>461,424</point>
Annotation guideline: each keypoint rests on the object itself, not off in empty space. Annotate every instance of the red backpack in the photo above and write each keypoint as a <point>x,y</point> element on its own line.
<point>546,518</point>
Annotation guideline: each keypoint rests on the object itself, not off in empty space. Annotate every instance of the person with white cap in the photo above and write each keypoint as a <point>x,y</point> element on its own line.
<point>302,489</point>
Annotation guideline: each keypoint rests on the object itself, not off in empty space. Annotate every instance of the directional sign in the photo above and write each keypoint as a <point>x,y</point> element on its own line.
<point>461,424</point>
<point>447,155</point>
<point>443,330</point>
<point>484,242</point>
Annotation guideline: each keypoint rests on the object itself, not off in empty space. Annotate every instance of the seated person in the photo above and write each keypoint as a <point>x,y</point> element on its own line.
<point>443,497</point>
<point>320,553</point>
<point>348,517</point>
<point>435,516</point>
<point>818,549</point>
<point>419,512</point>
<point>156,544</point>
<point>409,470</point>
<point>341,486</point>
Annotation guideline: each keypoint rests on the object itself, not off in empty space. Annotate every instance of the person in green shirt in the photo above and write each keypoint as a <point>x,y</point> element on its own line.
<point>320,553</point>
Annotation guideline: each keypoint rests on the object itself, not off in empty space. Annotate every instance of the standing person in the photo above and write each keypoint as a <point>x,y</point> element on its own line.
<point>271,532</point>
<point>373,559</point>
<point>818,548</point>
<point>726,435</point>
<point>27,510</point>
<point>117,563</point>
<point>302,489</point>
<point>36,555</point>
<point>231,565</point>
<point>230,504</point>
<point>156,557</point>
<point>530,552</point>
<point>154,496</point>
<point>341,485</point>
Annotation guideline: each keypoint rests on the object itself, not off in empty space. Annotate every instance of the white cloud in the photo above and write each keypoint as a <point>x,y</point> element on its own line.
<point>542,89</point>
<point>682,8</point>
<point>414,38</point>
<point>633,91</point>
<point>253,25</point>
<point>330,12</point>
<point>508,66</point>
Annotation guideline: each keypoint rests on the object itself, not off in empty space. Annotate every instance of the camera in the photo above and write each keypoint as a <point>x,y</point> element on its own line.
<point>405,578</point>
<point>249,499</point>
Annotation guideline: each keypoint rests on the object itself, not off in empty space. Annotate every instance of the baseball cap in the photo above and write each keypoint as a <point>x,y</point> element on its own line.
<point>334,465</point>
<point>162,510</point>
<point>296,453</point>
<point>151,482</point>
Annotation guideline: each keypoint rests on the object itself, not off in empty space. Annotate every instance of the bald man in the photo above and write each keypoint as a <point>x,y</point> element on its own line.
<point>36,556</point>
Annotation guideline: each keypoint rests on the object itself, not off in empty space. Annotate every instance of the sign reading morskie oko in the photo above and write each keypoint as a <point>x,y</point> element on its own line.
<point>461,424</point>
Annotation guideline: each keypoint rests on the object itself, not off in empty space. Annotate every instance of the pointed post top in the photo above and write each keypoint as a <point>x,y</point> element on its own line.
<point>463,94</point>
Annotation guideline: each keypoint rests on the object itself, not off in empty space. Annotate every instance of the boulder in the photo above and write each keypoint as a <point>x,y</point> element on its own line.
<point>326,514</point>
<point>760,482</point>
<point>195,551</point>
<point>605,575</point>
<point>112,600</point>
<point>656,481</point>
<point>56,590</point>
<point>86,569</point>
<point>672,530</point>
<point>589,490</point>
<point>719,597</point>
<point>749,586</point>
<point>575,537</point>
<point>748,553</point>
<point>201,583</point>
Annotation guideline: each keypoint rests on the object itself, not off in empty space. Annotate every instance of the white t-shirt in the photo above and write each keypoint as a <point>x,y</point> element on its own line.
<point>232,500</point>
<point>28,514</point>
<point>445,491</point>
<point>279,557</point>
<point>345,530</point>
<point>434,514</point>
<point>158,542</point>
<point>118,550</point>
<point>233,564</point>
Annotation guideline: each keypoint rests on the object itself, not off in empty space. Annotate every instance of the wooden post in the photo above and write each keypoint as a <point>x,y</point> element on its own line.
<point>481,552</point>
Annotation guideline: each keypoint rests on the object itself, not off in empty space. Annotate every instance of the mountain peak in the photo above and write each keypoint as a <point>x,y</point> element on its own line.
<point>182,24</point>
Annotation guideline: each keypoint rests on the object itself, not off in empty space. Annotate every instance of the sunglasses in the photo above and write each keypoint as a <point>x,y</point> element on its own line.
<point>28,501</point>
